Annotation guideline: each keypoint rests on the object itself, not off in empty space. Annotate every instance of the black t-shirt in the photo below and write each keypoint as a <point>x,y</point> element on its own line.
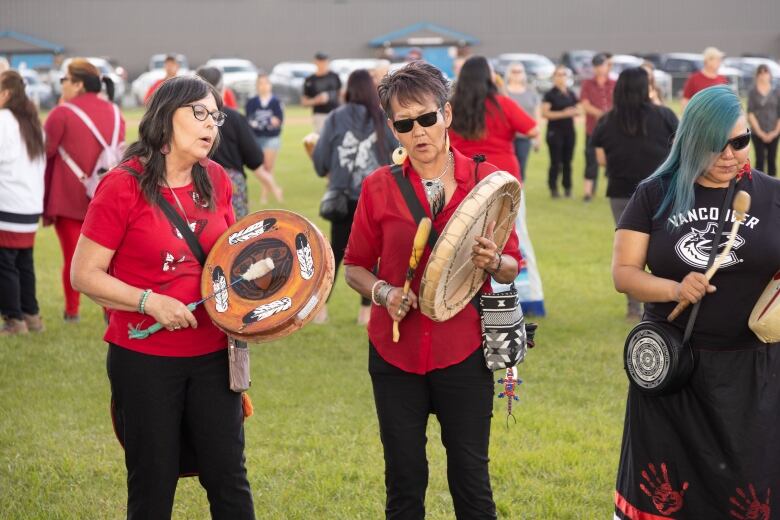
<point>680,244</point>
<point>329,83</point>
<point>237,145</point>
<point>560,101</point>
<point>631,159</point>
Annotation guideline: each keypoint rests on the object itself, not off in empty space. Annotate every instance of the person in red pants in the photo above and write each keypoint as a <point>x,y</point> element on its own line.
<point>69,141</point>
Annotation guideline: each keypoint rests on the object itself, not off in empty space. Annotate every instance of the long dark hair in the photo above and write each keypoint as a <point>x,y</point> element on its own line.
<point>81,70</point>
<point>156,130</point>
<point>631,100</point>
<point>25,113</point>
<point>473,90</point>
<point>361,90</point>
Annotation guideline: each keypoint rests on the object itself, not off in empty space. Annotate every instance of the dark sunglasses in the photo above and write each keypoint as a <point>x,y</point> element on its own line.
<point>405,125</point>
<point>738,143</point>
<point>63,79</point>
<point>201,113</point>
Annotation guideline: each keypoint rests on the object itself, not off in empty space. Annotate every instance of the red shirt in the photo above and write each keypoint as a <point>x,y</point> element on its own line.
<point>150,254</point>
<point>500,129</point>
<point>64,194</point>
<point>599,96</point>
<point>384,229</point>
<point>229,99</point>
<point>152,90</point>
<point>698,81</point>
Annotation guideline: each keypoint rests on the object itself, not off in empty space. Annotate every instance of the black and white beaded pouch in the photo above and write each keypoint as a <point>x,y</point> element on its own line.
<point>503,329</point>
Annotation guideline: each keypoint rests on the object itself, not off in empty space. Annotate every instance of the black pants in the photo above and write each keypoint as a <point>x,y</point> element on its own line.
<point>560,143</point>
<point>155,395</point>
<point>339,236</point>
<point>591,164</point>
<point>461,396</point>
<point>17,283</point>
<point>766,153</point>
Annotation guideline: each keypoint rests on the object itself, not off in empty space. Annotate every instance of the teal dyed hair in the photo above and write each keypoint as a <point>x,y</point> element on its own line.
<point>703,132</point>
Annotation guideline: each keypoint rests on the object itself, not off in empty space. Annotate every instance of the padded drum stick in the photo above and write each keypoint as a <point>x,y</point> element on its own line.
<point>420,239</point>
<point>309,142</point>
<point>254,271</point>
<point>740,206</point>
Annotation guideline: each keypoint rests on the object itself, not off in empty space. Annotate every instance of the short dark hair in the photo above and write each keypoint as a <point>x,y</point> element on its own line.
<point>413,82</point>
<point>171,57</point>
<point>156,130</point>
<point>211,74</point>
<point>762,69</point>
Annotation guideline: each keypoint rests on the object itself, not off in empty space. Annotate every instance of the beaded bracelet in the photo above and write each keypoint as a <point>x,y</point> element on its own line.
<point>383,293</point>
<point>498,267</point>
<point>373,293</point>
<point>142,302</point>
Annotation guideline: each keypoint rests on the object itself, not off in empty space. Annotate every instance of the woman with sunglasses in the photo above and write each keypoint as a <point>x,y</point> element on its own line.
<point>708,450</point>
<point>69,138</point>
<point>170,392</point>
<point>435,366</point>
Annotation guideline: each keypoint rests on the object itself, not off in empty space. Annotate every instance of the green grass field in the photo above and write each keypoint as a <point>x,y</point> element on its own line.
<point>312,447</point>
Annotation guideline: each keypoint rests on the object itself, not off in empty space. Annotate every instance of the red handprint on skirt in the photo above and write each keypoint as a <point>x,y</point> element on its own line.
<point>665,499</point>
<point>749,507</point>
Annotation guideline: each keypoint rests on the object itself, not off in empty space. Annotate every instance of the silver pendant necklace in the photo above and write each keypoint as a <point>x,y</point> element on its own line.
<point>178,203</point>
<point>434,189</point>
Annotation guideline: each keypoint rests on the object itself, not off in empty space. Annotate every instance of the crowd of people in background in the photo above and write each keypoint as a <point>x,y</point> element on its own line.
<point>496,116</point>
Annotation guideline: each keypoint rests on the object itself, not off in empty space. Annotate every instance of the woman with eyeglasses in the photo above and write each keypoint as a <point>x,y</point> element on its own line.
<point>517,88</point>
<point>708,450</point>
<point>70,141</point>
<point>172,406</point>
<point>436,367</point>
<point>560,107</point>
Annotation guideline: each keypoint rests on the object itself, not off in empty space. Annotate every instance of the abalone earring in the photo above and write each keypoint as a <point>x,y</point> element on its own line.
<point>165,149</point>
<point>399,155</point>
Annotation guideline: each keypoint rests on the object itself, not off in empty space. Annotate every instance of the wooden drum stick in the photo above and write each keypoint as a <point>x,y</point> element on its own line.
<point>420,239</point>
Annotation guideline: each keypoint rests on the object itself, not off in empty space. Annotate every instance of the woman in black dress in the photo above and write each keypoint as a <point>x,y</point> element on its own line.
<point>708,450</point>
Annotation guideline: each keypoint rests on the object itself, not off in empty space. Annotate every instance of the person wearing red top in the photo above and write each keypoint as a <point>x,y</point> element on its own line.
<point>485,122</point>
<point>65,197</point>
<point>229,98</point>
<point>436,366</point>
<point>171,66</point>
<point>706,77</point>
<point>170,391</point>
<point>596,100</point>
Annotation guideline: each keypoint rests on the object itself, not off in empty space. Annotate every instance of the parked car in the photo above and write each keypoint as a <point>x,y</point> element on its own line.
<point>345,66</point>
<point>579,61</point>
<point>680,65</point>
<point>747,66</point>
<point>141,85</point>
<point>621,62</point>
<point>105,68</point>
<point>539,69</point>
<point>287,80</point>
<point>36,89</point>
<point>239,75</point>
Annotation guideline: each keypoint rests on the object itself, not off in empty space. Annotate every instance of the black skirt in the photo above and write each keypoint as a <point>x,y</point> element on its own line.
<point>709,451</point>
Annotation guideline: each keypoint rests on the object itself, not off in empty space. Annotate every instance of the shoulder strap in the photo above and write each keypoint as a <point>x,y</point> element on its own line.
<point>713,253</point>
<point>412,202</point>
<point>115,135</point>
<point>175,219</point>
<point>88,122</point>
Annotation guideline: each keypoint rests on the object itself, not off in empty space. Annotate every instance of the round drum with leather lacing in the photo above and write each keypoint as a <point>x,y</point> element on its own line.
<point>656,360</point>
<point>283,300</point>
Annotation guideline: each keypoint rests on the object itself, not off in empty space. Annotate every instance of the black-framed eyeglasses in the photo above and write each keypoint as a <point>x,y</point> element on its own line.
<point>201,113</point>
<point>405,125</point>
<point>738,143</point>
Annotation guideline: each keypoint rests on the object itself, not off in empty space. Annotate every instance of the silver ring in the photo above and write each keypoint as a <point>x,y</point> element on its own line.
<point>398,312</point>
<point>176,327</point>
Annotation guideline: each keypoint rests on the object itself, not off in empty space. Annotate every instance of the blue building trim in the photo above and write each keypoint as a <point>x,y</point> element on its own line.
<point>32,40</point>
<point>423,26</point>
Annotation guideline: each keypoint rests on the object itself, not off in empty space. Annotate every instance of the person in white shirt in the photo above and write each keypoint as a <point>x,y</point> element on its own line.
<point>22,166</point>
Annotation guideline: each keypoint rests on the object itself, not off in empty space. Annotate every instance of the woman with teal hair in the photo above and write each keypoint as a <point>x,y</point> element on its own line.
<point>710,449</point>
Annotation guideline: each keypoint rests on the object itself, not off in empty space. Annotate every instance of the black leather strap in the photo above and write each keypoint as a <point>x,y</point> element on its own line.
<point>713,253</point>
<point>183,228</point>
<point>412,202</point>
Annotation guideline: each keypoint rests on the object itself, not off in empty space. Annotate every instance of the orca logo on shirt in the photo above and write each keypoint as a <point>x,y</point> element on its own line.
<point>694,248</point>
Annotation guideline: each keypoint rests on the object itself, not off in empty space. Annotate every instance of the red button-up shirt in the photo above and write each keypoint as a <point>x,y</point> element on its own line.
<point>65,195</point>
<point>600,96</point>
<point>382,233</point>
